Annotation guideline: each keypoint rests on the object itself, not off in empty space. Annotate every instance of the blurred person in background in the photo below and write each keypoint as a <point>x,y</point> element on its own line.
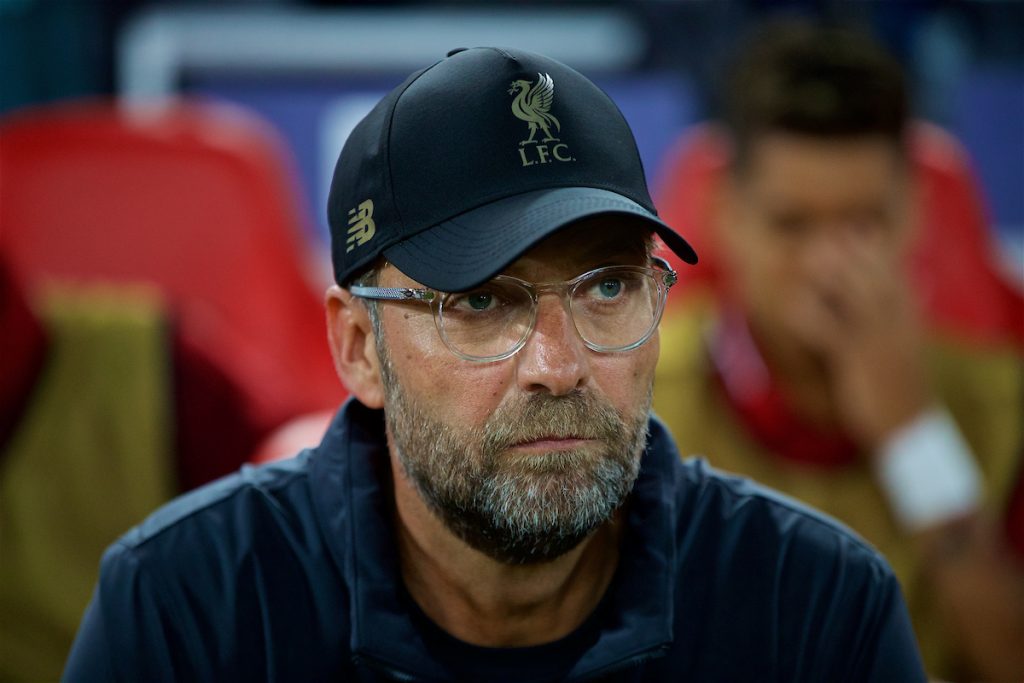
<point>811,369</point>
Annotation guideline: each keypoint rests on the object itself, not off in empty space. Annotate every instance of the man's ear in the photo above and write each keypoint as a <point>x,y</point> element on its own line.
<point>353,346</point>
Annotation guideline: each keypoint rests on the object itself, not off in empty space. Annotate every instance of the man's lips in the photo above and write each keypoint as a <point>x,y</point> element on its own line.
<point>552,443</point>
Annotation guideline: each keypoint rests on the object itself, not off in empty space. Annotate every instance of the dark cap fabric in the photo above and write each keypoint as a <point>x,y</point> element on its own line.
<point>473,160</point>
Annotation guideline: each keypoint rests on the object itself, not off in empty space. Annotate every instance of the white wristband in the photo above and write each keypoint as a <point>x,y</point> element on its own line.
<point>928,472</point>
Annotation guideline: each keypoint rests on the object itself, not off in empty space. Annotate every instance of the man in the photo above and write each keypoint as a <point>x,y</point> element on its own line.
<point>495,503</point>
<point>810,371</point>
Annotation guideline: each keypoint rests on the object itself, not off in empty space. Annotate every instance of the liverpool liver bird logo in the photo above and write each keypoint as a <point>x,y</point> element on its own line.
<point>533,105</point>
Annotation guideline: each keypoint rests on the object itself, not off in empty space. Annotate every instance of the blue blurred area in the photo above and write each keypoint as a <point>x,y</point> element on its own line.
<point>989,119</point>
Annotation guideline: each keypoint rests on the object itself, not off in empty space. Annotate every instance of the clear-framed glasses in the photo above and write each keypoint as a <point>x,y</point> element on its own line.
<point>615,308</point>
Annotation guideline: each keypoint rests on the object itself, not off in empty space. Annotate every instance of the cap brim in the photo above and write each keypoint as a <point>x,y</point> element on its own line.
<point>475,246</point>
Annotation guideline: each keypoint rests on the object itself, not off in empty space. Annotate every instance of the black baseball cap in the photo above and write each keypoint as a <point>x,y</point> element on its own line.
<point>470,162</point>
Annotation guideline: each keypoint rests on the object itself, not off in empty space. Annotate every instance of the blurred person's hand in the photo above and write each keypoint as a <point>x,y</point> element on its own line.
<point>856,311</point>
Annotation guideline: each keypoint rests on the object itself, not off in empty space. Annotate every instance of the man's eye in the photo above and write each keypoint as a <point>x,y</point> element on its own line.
<point>480,301</point>
<point>609,287</point>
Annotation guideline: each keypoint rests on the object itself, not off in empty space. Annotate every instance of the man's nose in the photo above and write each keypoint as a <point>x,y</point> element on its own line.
<point>554,359</point>
<point>822,248</point>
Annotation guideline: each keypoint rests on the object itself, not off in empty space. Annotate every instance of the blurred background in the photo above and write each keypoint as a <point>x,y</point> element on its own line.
<point>313,68</point>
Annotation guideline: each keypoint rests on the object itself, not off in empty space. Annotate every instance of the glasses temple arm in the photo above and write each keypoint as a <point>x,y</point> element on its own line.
<point>392,293</point>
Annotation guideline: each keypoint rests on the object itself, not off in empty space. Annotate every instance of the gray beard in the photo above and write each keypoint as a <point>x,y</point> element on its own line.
<point>519,509</point>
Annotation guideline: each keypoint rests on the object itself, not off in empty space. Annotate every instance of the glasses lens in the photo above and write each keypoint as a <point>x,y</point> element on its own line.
<point>487,322</point>
<point>615,308</point>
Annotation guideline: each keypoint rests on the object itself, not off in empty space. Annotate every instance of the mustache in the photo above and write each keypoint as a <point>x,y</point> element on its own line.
<point>578,415</point>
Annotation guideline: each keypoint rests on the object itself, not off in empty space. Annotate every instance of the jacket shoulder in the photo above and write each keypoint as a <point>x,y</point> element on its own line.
<point>823,601</point>
<point>247,488</point>
<point>738,502</point>
<point>219,580</point>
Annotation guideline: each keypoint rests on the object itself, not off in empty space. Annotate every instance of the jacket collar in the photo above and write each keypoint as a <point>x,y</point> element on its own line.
<point>351,484</point>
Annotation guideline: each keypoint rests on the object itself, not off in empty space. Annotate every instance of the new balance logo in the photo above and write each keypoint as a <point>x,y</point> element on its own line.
<point>360,225</point>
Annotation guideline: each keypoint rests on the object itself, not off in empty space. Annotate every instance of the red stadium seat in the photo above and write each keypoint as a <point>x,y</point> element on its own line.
<point>194,198</point>
<point>953,262</point>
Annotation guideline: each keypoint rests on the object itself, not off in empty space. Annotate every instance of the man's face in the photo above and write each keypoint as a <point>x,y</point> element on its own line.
<point>794,214</point>
<point>521,458</point>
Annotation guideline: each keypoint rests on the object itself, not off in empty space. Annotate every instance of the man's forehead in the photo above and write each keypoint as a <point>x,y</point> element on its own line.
<point>776,147</point>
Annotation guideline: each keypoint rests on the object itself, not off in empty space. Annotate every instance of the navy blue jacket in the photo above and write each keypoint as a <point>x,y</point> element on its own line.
<point>289,573</point>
